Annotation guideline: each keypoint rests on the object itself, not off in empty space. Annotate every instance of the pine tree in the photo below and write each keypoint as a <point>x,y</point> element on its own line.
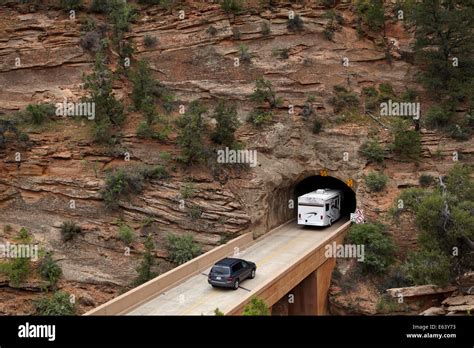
<point>146,89</point>
<point>108,110</point>
<point>145,272</point>
<point>445,46</point>
<point>227,123</point>
<point>190,137</point>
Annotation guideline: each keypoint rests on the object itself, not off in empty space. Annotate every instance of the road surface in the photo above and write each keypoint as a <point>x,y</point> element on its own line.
<point>272,254</point>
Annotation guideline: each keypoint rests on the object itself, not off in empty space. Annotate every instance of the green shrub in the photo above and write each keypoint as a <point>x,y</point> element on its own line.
<point>258,117</point>
<point>343,99</point>
<point>317,126</point>
<point>387,304</point>
<point>453,25</point>
<point>447,222</point>
<point>145,270</point>
<point>412,197</point>
<point>372,150</point>
<point>428,267</point>
<point>145,131</point>
<point>182,248</point>
<point>129,180</point>
<point>195,212</point>
<point>24,236</point>
<point>146,90</point>
<point>71,4</point>
<point>59,304</point>
<point>386,90</point>
<point>376,181</point>
<point>227,123</point>
<point>328,33</point>
<point>49,269</point>
<point>406,143</point>
<point>108,110</point>
<point>17,269</point>
<point>231,6</point>
<point>459,182</point>
<point>410,95</point>
<point>149,41</point>
<point>100,6</point>
<point>264,92</point>
<point>126,234</point>
<point>426,180</point>
<point>121,182</point>
<point>69,229</point>
<point>295,23</point>
<point>39,113</point>
<point>157,172</point>
<point>370,91</point>
<point>87,24</point>
<point>245,55</point>
<point>165,156</point>
<point>188,190</point>
<point>437,117</point>
<point>328,3</point>
<point>256,307</point>
<point>379,249</point>
<point>372,13</point>
<point>191,134</point>
<point>458,132</point>
<point>120,15</point>
<point>335,20</point>
<point>395,278</point>
<point>22,136</point>
<point>217,312</point>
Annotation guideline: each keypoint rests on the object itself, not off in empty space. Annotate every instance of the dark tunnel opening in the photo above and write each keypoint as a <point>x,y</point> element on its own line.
<point>315,182</point>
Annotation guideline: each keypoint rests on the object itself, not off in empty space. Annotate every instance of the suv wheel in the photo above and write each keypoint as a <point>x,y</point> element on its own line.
<point>236,284</point>
<point>252,274</point>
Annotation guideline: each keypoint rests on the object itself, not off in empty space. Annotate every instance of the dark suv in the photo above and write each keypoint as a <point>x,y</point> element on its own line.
<point>230,272</point>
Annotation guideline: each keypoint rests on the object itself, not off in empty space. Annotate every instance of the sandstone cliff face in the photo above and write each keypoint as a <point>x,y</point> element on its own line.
<point>63,164</point>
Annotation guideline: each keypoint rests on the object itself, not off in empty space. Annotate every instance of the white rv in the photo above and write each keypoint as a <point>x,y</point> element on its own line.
<point>319,208</point>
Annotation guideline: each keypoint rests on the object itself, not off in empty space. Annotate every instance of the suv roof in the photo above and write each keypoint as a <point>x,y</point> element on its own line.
<point>228,261</point>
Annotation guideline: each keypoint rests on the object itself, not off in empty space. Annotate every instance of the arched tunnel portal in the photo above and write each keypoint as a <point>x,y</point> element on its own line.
<point>282,198</point>
<point>315,182</point>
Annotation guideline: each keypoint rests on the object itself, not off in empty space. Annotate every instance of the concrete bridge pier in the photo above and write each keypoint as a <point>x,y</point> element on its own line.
<point>310,296</point>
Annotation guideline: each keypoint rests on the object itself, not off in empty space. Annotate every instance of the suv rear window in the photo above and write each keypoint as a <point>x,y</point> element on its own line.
<point>220,270</point>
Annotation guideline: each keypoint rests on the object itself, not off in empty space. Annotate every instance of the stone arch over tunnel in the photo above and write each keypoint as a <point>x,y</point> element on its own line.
<point>314,182</point>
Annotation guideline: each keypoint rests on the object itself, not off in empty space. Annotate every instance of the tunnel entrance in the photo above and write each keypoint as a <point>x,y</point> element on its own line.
<point>315,182</point>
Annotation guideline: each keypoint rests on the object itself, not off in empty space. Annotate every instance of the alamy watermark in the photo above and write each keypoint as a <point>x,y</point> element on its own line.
<point>83,109</point>
<point>237,156</point>
<point>345,251</point>
<point>393,108</point>
<point>24,251</point>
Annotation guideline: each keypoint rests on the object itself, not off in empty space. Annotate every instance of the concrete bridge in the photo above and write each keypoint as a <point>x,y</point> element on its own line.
<point>293,277</point>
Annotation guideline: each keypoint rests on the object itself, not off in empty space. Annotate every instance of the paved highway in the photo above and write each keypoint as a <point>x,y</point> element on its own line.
<point>272,254</point>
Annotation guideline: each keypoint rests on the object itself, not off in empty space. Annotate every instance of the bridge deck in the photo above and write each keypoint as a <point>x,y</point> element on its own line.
<point>272,254</point>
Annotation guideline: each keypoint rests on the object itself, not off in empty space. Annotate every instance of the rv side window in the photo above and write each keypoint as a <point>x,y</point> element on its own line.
<point>327,206</point>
